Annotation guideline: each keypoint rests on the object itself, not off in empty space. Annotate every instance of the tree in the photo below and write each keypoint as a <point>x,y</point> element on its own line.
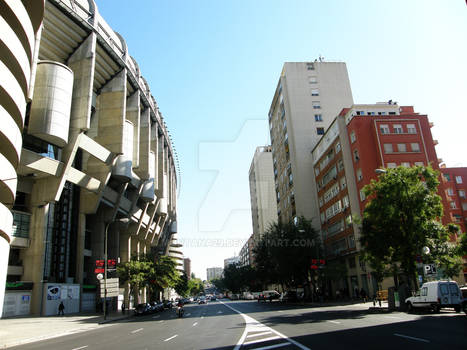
<point>284,253</point>
<point>165,273</point>
<point>400,219</point>
<point>195,286</point>
<point>181,286</point>
<point>136,273</point>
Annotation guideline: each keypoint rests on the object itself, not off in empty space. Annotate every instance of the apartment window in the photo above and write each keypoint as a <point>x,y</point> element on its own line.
<point>356,156</point>
<point>397,129</point>
<point>340,165</point>
<point>450,192</point>
<point>312,80</point>
<point>310,66</point>
<point>447,177</point>
<point>405,164</point>
<point>452,205</point>
<point>343,183</point>
<point>314,92</point>
<point>462,193</point>
<point>320,131</point>
<point>415,147</point>
<point>411,129</point>
<point>323,218</point>
<point>464,206</point>
<point>316,105</point>
<point>351,241</point>
<point>338,147</point>
<point>384,129</point>
<point>388,148</point>
<point>362,195</point>
<point>320,200</point>
<point>318,117</point>
<point>391,165</point>
<point>419,164</point>
<point>459,179</point>
<point>316,171</point>
<point>352,137</point>
<point>359,175</point>
<point>345,201</point>
<point>401,147</point>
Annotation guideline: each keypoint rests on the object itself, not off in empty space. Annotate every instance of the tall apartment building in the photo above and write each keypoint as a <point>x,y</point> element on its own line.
<point>214,272</point>
<point>308,97</point>
<point>231,261</point>
<point>454,181</point>
<point>85,157</point>
<point>361,139</point>
<point>262,191</point>
<point>187,267</point>
<point>247,257</point>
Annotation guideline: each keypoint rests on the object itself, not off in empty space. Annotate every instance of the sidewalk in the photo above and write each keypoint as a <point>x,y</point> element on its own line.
<point>23,330</point>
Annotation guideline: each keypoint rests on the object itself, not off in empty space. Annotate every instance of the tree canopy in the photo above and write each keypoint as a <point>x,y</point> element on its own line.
<point>402,217</point>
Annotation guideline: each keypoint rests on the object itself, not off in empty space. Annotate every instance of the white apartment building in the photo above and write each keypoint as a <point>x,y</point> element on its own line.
<point>262,191</point>
<point>214,272</point>
<point>308,97</point>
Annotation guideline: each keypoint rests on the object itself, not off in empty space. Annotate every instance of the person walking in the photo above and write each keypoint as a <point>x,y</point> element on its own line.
<point>123,308</point>
<point>61,309</point>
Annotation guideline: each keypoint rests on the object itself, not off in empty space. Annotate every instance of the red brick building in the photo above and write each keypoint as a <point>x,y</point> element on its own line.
<point>360,140</point>
<point>455,186</point>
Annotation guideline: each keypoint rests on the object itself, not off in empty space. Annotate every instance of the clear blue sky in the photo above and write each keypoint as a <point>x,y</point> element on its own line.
<point>213,67</point>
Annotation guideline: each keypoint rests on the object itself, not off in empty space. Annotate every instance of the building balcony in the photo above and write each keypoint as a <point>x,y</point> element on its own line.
<point>19,242</point>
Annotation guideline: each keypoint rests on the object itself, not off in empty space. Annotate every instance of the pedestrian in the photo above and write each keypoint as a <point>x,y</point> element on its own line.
<point>61,309</point>
<point>363,294</point>
<point>123,307</point>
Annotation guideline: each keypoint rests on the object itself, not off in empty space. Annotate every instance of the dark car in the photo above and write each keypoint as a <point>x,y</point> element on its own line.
<point>168,304</point>
<point>289,296</point>
<point>143,309</point>
<point>464,298</point>
<point>157,306</point>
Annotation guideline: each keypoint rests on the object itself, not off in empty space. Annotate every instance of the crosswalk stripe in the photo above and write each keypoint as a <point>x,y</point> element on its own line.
<point>258,334</point>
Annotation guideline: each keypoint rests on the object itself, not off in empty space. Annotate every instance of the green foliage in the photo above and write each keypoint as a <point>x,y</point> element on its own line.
<point>181,286</point>
<point>195,286</point>
<point>283,254</point>
<point>401,217</point>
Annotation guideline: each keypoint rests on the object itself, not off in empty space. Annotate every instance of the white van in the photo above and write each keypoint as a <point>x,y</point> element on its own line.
<point>436,295</point>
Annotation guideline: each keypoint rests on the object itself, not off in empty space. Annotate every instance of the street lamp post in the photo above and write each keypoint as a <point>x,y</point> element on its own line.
<point>105,267</point>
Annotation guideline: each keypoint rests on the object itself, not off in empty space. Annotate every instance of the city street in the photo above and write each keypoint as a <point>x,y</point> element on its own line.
<point>252,325</point>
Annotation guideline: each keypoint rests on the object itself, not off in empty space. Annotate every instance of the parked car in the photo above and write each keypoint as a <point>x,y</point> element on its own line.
<point>213,298</point>
<point>168,304</point>
<point>436,295</point>
<point>464,298</point>
<point>289,296</point>
<point>143,309</point>
<point>268,295</point>
<point>157,306</point>
<point>202,300</point>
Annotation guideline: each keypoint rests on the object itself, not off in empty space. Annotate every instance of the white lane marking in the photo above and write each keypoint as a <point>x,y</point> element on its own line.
<point>393,317</point>
<point>137,330</point>
<point>280,311</point>
<point>336,322</point>
<point>261,340</point>
<point>272,346</point>
<point>174,336</point>
<point>258,334</point>
<point>160,321</point>
<point>156,316</point>
<point>251,324</point>
<point>83,347</point>
<point>409,337</point>
<point>194,324</point>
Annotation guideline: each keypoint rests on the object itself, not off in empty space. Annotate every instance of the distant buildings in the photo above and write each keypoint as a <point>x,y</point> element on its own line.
<point>187,267</point>
<point>214,272</point>
<point>262,191</point>
<point>246,253</point>
<point>232,260</point>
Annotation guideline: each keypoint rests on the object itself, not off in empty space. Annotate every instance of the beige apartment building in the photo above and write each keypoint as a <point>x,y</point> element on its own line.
<point>262,192</point>
<point>85,158</point>
<point>214,272</point>
<point>308,97</point>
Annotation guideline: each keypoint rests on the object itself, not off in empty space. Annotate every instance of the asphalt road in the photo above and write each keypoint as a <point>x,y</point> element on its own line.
<point>244,325</point>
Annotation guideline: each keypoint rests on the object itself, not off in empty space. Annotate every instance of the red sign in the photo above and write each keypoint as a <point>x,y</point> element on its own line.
<point>111,263</point>
<point>100,263</point>
<point>99,270</point>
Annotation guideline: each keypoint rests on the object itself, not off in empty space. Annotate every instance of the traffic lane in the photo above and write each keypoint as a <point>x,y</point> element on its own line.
<point>203,326</point>
<point>333,322</point>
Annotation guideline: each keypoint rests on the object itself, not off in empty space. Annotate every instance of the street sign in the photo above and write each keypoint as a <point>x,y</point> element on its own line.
<point>112,287</point>
<point>429,269</point>
<point>100,276</point>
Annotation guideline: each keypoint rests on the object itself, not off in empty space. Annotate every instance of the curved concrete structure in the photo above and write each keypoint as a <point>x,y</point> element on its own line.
<point>19,24</point>
<point>50,108</point>
<point>96,151</point>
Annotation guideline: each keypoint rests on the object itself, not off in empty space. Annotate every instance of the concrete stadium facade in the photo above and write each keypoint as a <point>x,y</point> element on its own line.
<point>87,155</point>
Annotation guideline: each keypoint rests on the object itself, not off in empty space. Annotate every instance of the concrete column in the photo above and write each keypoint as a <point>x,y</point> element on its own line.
<point>82,63</point>
<point>144,144</point>
<point>133,115</point>
<point>81,234</point>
